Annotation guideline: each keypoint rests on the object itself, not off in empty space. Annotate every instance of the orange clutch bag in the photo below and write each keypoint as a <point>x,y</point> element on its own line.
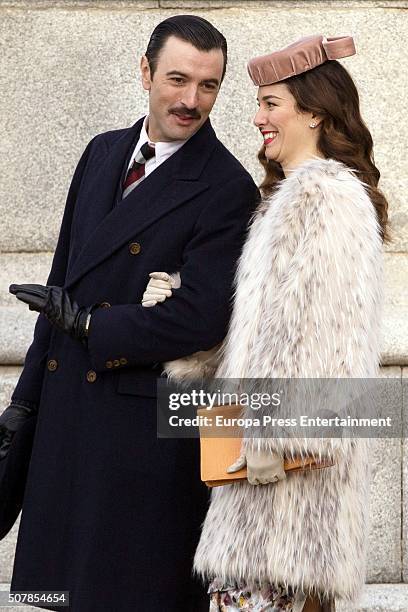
<point>217,453</point>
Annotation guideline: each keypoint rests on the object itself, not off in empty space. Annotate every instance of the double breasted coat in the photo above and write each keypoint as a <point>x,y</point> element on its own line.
<point>111,513</point>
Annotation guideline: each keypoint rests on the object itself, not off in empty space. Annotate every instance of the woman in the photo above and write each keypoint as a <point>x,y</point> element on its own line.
<point>307,305</point>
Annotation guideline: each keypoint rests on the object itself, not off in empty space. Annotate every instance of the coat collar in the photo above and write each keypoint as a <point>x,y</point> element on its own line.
<point>173,183</point>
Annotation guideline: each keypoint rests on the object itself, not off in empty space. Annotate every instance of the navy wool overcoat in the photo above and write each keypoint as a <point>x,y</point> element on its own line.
<point>112,513</point>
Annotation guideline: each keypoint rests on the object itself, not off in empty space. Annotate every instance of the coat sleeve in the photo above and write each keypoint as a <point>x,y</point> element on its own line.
<point>325,318</point>
<point>197,315</point>
<point>29,385</point>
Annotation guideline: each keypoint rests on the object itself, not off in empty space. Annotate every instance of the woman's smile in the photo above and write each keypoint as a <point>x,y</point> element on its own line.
<point>269,136</point>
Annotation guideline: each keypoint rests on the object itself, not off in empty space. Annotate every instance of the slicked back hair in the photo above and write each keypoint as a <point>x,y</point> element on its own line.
<point>192,29</point>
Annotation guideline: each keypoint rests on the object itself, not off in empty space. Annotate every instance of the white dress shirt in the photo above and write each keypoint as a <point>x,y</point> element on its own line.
<point>163,150</point>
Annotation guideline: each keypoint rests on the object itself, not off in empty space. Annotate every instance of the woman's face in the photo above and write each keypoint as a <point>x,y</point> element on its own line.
<point>286,132</point>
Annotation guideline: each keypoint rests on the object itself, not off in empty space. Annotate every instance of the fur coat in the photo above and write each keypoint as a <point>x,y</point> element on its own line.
<point>308,296</point>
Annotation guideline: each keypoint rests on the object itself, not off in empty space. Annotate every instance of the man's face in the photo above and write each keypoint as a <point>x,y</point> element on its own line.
<point>183,89</point>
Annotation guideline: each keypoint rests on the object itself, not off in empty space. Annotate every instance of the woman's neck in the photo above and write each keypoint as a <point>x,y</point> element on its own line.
<point>299,159</point>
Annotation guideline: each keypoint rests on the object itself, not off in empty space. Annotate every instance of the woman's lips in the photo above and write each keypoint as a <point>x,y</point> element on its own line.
<point>269,137</point>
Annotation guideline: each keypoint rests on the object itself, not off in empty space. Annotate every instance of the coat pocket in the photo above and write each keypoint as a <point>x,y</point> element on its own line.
<point>140,381</point>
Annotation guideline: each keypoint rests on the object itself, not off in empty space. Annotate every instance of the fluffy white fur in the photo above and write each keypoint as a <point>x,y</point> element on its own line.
<point>198,366</point>
<point>307,304</point>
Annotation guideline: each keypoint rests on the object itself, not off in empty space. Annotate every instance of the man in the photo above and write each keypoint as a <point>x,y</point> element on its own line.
<point>112,513</point>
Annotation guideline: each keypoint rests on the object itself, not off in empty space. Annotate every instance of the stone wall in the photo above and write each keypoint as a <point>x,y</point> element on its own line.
<point>69,70</point>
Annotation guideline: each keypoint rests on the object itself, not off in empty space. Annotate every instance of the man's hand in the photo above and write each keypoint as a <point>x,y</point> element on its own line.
<point>159,287</point>
<point>57,306</point>
<point>263,467</point>
<point>11,419</point>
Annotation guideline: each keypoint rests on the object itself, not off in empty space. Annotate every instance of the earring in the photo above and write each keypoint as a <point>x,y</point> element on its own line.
<point>312,125</point>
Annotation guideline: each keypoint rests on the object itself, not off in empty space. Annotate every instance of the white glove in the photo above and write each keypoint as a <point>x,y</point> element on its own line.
<point>263,467</point>
<point>159,287</point>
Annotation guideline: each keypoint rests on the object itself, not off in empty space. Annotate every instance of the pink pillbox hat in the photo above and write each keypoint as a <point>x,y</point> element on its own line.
<point>302,55</point>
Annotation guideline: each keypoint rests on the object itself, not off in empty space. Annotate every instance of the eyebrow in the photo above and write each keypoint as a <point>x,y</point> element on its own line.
<point>186,76</point>
<point>271,96</point>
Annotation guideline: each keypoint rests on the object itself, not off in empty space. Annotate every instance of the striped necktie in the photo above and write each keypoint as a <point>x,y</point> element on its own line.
<point>137,171</point>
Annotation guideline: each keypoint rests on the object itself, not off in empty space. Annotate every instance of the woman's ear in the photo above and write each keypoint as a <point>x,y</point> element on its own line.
<point>315,120</point>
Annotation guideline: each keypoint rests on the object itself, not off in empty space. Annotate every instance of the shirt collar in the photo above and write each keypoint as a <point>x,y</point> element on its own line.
<point>163,149</point>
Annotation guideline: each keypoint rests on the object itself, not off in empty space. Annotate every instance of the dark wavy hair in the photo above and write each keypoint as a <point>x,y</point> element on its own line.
<point>329,91</point>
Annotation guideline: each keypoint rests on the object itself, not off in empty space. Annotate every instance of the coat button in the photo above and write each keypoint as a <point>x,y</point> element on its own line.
<point>116,363</point>
<point>91,376</point>
<point>109,364</point>
<point>134,248</point>
<point>52,365</point>
<point>123,361</point>
<point>105,305</point>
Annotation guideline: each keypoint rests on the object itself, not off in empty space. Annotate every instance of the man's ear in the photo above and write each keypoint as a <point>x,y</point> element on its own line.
<point>145,73</point>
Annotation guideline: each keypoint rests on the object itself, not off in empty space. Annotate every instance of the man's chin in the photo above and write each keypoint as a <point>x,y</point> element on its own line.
<point>182,131</point>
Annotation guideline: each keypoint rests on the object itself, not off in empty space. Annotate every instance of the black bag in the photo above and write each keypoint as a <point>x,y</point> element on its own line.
<point>13,474</point>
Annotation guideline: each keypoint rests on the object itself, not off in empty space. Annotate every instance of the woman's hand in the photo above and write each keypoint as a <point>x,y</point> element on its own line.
<point>159,287</point>
<point>263,467</point>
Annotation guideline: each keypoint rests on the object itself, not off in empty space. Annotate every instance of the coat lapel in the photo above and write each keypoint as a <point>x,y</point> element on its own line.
<point>99,190</point>
<point>172,184</point>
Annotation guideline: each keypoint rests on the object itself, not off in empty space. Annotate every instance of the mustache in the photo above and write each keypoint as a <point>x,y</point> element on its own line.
<point>186,112</point>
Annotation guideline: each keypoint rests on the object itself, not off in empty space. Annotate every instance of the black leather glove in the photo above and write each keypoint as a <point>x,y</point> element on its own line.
<point>11,419</point>
<point>57,306</point>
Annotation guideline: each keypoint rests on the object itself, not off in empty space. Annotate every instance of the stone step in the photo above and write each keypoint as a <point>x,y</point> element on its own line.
<point>380,598</point>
